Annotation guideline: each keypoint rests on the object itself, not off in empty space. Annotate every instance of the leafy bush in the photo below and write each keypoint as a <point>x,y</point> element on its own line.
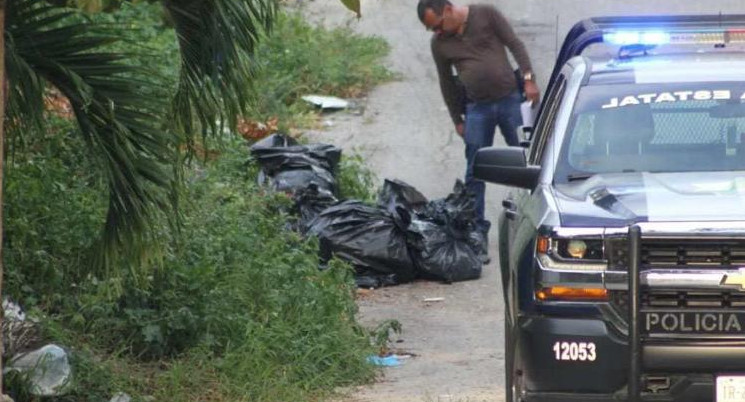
<point>296,59</point>
<point>148,36</point>
<point>235,293</point>
<point>54,207</point>
<point>236,308</point>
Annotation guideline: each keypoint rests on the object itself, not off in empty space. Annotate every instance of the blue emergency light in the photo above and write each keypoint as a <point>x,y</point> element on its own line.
<point>624,37</point>
<point>636,38</point>
<point>650,31</point>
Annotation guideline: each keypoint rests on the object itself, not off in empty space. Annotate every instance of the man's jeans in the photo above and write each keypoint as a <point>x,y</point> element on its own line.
<point>482,118</point>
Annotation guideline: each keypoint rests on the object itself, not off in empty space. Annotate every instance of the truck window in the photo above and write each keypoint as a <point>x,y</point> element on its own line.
<point>655,128</point>
<point>546,122</point>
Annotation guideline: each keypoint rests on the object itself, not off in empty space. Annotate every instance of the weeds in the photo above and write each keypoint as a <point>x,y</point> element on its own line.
<point>300,59</point>
<point>355,180</point>
<point>236,308</point>
<point>382,334</point>
<point>238,303</point>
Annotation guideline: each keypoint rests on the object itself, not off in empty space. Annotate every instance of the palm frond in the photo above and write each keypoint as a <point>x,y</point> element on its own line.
<point>113,102</point>
<point>217,38</point>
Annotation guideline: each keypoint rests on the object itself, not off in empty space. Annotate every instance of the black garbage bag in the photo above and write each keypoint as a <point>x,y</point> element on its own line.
<point>293,180</point>
<point>370,279</point>
<point>478,240</point>
<point>398,193</point>
<point>370,238</point>
<point>309,202</point>
<point>274,141</point>
<point>279,152</point>
<point>287,166</point>
<point>458,209</point>
<point>443,252</point>
<point>444,239</point>
<point>275,159</point>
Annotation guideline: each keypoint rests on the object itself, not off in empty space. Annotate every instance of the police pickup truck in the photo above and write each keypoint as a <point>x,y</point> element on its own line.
<point>622,246</point>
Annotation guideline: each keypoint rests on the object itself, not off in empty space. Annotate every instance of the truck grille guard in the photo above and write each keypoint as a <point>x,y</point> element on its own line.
<point>634,302</point>
<point>701,274</point>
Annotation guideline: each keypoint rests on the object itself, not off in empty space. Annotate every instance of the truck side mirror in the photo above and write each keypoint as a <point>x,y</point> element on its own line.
<point>507,165</point>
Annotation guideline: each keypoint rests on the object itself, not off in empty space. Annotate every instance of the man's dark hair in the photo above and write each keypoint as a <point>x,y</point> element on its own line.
<point>436,5</point>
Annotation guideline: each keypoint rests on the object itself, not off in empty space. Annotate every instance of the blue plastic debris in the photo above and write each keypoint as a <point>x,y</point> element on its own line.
<point>388,361</point>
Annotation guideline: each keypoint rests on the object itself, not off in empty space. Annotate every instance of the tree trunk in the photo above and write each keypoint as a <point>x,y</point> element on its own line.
<point>3,95</point>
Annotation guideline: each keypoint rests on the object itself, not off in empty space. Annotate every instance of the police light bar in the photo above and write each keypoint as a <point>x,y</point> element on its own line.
<point>684,37</point>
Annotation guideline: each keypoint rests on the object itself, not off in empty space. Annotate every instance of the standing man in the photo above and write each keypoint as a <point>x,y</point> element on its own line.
<point>472,41</point>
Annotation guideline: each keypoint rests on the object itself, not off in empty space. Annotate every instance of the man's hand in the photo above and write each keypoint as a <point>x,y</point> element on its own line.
<point>532,92</point>
<point>460,129</point>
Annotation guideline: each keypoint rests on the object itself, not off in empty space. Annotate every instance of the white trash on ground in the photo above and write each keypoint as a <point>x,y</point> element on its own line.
<point>121,397</point>
<point>19,333</point>
<point>48,370</point>
<point>327,102</point>
<point>12,310</point>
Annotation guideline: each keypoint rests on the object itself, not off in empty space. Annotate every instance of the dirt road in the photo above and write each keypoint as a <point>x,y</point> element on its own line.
<point>405,133</point>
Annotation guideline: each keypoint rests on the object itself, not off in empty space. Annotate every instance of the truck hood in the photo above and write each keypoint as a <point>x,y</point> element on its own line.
<point>622,199</point>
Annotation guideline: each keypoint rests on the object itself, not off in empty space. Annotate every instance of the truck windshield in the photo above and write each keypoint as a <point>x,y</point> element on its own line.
<point>671,127</point>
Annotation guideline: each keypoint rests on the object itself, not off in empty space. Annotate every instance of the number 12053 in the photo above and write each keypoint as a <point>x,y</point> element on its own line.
<point>575,351</point>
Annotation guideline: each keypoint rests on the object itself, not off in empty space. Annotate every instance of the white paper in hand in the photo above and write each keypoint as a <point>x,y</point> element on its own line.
<point>528,111</point>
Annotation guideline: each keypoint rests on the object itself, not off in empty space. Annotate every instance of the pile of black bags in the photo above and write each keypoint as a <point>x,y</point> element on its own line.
<point>402,238</point>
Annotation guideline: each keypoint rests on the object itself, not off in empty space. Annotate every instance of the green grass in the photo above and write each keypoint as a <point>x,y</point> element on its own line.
<point>356,181</point>
<point>238,302</point>
<point>300,59</point>
<point>273,326</point>
<point>295,59</point>
<point>53,215</point>
<point>236,308</point>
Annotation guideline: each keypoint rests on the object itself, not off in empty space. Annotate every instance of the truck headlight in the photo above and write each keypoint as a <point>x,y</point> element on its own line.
<point>576,248</point>
<point>571,254</point>
<point>580,249</point>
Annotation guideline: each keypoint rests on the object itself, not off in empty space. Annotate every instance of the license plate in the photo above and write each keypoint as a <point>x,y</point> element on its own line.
<point>730,388</point>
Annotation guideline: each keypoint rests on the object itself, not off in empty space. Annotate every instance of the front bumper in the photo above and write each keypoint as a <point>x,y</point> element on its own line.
<point>689,388</point>
<point>545,371</point>
<point>689,368</point>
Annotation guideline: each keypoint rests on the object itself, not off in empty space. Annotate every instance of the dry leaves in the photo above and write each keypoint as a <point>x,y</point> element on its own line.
<point>57,104</point>
<point>256,130</point>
